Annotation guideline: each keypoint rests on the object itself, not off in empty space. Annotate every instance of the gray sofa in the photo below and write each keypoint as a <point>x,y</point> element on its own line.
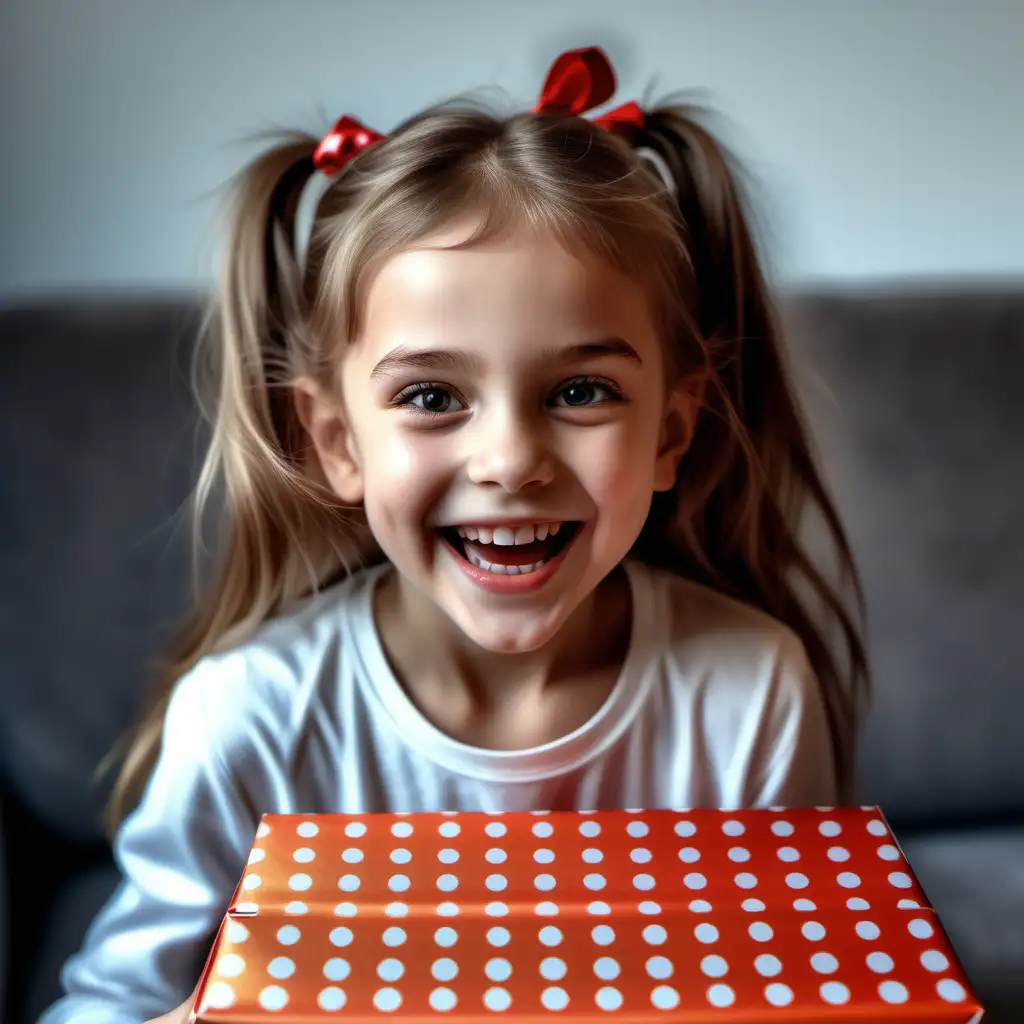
<point>918,396</point>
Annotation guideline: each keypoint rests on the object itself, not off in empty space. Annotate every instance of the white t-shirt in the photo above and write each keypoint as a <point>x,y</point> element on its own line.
<point>715,706</point>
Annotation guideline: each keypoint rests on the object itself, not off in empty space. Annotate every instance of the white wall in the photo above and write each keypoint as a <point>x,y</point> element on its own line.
<point>889,133</point>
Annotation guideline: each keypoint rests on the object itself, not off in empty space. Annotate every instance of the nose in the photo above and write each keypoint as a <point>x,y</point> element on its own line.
<point>510,451</point>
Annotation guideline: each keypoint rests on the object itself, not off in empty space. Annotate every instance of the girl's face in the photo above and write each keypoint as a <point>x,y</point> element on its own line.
<point>505,424</point>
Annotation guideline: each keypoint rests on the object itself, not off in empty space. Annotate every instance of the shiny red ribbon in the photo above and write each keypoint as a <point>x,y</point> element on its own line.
<point>578,81</point>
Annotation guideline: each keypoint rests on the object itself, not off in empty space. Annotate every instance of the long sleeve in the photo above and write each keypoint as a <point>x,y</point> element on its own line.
<point>181,853</point>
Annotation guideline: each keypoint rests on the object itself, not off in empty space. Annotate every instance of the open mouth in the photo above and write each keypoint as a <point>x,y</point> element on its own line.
<point>511,550</point>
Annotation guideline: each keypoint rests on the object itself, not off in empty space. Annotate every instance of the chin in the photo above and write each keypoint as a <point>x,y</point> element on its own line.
<point>500,633</point>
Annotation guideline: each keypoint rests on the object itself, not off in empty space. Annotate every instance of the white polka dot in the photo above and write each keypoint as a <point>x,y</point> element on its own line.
<point>496,936</point>
<point>603,935</point>
<point>637,829</point>
<point>349,856</point>
<point>498,969</point>
<point>660,968</point>
<point>331,999</point>
<point>778,994</point>
<point>592,856</point>
<point>877,828</point>
<point>607,968</point>
<point>739,855</point>
<point>643,882</point>
<point>733,828</point>
<point>542,856</point>
<point>795,880</point>
<point>654,934</point>
<point>401,856</point>
<point>608,998</point>
<point>273,998</point>
<point>714,966</point>
<point>908,905</point>
<point>805,906</point>
<point>442,1000</point>
<point>337,969</point>
<point>251,882</point>
<point>893,992</point>
<point>449,829</point>
<point>788,854</point>
<point>830,829</point>
<point>446,936</point>
<point>589,829</point>
<point>498,883</point>
<point>745,880</point>
<point>497,999</point>
<point>263,830</point>
<point>824,963</point>
<point>347,883</point>
<point>664,997</point>
<point>444,969</point>
<point>868,930</point>
<point>230,965</point>
<point>782,828</point>
<point>856,903</point>
<point>920,928</point>
<point>752,906</point>
<point>390,969</point>
<point>950,990</point>
<point>554,998</point>
<point>594,882</point>
<point>393,936</point>
<point>543,829</point>
<point>648,907</point>
<point>900,880</point>
<point>496,829</point>
<point>767,965</point>
<point>446,883</point>
<point>685,829</point>
<point>695,880</point>
<point>300,882</point>
<point>888,852</point>
<point>236,932</point>
<point>835,993</point>
<point>689,855</point>
<point>401,883</point>
<point>760,932</point>
<point>549,935</point>
<point>346,910</point>
<point>839,854</point>
<point>598,907</point>
<point>308,829</point>
<point>721,995</point>
<point>396,910</point>
<point>544,882</point>
<point>281,967</point>
<point>288,935</point>
<point>880,963</point>
<point>401,830</point>
<point>931,960</point>
<point>341,936</point>
<point>812,931</point>
<point>546,909</point>
<point>255,856</point>
<point>700,907</point>
<point>640,855</point>
<point>295,907</point>
<point>552,968</point>
<point>848,880</point>
<point>496,909</point>
<point>219,996</point>
<point>447,909</point>
<point>355,830</point>
<point>387,1000</point>
<point>247,908</point>
<point>706,933</point>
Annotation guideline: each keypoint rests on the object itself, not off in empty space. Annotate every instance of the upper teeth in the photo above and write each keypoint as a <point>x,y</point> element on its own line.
<point>508,536</point>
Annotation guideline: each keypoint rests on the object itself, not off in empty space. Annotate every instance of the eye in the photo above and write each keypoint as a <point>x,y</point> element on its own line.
<point>429,399</point>
<point>586,391</point>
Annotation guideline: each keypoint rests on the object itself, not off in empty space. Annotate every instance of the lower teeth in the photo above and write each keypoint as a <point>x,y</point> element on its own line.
<point>502,570</point>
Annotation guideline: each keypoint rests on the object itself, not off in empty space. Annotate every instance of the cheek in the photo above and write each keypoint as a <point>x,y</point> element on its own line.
<point>618,467</point>
<point>405,475</point>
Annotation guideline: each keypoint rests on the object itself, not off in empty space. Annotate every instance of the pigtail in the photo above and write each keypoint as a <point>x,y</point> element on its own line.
<point>749,483</point>
<point>281,534</point>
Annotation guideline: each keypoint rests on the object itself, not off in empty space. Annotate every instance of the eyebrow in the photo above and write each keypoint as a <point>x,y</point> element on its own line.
<point>404,358</point>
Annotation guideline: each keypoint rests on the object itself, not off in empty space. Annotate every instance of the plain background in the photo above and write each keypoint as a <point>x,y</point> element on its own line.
<point>886,134</point>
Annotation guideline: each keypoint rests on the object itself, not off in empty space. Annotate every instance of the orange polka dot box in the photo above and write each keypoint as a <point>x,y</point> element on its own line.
<point>696,916</point>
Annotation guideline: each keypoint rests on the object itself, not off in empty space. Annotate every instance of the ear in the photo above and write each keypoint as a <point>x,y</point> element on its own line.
<point>323,417</point>
<point>682,408</point>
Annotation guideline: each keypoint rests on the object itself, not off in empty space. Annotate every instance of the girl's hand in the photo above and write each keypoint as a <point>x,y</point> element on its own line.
<point>179,1015</point>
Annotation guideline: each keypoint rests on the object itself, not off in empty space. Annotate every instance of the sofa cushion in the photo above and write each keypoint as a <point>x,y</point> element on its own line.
<point>917,403</point>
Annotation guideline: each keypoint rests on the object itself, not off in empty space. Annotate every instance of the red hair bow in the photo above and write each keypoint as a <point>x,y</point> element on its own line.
<point>345,140</point>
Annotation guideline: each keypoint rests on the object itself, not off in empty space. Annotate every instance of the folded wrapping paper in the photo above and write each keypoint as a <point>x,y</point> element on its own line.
<point>780,915</point>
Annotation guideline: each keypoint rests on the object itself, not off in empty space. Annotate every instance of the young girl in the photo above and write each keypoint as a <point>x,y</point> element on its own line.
<point>514,478</point>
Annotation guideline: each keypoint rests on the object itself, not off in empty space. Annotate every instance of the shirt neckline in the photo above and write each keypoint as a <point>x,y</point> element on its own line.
<point>558,757</point>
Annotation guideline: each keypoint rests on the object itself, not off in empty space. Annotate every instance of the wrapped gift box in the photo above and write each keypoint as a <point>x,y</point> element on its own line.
<point>696,916</point>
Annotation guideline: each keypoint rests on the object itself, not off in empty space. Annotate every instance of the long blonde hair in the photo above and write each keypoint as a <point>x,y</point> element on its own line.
<point>734,520</point>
